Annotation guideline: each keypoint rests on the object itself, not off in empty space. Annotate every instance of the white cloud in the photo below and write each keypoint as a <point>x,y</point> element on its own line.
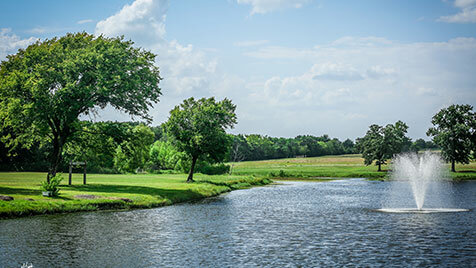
<point>39,30</point>
<point>10,43</point>
<point>144,20</point>
<point>378,71</point>
<point>275,52</point>
<point>251,43</point>
<point>466,15</point>
<point>266,6</point>
<point>464,3</point>
<point>187,71</point>
<point>85,21</point>
<point>422,91</point>
<point>333,71</point>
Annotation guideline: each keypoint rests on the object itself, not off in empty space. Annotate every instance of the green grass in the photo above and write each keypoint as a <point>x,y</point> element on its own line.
<point>341,166</point>
<point>145,191</point>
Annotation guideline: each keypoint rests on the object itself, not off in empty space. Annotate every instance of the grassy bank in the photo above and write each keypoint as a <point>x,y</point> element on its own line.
<point>105,191</point>
<point>342,166</point>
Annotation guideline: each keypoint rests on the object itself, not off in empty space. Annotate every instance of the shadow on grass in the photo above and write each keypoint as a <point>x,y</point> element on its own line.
<point>173,195</point>
<point>22,191</point>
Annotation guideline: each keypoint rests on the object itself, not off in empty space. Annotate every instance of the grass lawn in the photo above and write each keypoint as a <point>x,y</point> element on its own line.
<point>106,191</point>
<point>342,166</point>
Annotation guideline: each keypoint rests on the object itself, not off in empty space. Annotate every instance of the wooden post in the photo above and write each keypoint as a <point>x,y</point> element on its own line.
<point>70,171</point>
<point>84,174</point>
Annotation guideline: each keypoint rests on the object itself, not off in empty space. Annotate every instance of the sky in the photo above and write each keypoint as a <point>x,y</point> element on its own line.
<point>292,67</point>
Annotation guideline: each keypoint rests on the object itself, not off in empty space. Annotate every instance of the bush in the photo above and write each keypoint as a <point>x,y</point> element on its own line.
<point>52,186</point>
<point>206,168</point>
<point>280,174</point>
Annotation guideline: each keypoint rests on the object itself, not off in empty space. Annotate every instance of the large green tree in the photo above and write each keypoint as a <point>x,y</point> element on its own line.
<point>454,131</point>
<point>46,87</point>
<point>198,129</point>
<point>381,143</point>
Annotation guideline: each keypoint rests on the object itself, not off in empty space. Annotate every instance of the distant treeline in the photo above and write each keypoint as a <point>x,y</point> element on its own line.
<point>259,147</point>
<point>120,147</point>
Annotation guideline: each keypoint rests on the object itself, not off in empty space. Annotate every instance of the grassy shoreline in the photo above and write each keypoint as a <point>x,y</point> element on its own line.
<point>106,192</point>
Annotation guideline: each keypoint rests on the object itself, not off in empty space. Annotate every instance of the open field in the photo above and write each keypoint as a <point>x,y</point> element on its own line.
<point>105,191</point>
<point>342,166</point>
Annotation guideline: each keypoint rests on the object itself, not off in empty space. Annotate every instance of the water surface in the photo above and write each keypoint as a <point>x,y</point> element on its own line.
<point>305,224</point>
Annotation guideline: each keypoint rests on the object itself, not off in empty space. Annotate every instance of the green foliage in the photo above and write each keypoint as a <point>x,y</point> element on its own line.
<point>164,156</point>
<point>47,86</point>
<point>382,143</point>
<point>421,144</point>
<point>52,185</point>
<point>96,143</point>
<point>133,154</point>
<point>259,147</point>
<point>198,129</point>
<point>216,169</point>
<point>454,132</point>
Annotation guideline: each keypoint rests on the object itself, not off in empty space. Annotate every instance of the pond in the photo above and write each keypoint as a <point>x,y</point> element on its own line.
<point>304,224</point>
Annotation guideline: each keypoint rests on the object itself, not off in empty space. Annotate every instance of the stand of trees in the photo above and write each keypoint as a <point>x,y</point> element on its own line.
<point>128,147</point>
<point>259,147</point>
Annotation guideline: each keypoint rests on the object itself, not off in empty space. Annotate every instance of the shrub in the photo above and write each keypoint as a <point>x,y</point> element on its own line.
<point>206,168</point>
<point>52,186</point>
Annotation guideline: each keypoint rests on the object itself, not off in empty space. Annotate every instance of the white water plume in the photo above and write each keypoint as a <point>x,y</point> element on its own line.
<point>419,171</point>
<point>419,185</point>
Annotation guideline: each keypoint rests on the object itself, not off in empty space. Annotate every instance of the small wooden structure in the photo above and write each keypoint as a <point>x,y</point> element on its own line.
<point>71,164</point>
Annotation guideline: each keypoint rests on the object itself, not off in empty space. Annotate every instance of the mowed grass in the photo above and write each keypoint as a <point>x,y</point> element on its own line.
<point>341,166</point>
<point>106,191</point>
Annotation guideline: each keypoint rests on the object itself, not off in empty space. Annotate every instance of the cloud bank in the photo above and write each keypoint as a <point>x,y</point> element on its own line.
<point>467,12</point>
<point>10,43</point>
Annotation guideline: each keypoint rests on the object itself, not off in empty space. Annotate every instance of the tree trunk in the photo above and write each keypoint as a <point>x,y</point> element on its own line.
<point>190,175</point>
<point>55,157</point>
<point>231,168</point>
<point>379,165</point>
<point>453,166</point>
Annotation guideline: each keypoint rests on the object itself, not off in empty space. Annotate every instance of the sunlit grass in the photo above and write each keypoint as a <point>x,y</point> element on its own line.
<point>344,166</point>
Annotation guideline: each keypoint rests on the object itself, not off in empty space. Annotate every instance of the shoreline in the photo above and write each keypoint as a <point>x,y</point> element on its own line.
<point>113,197</point>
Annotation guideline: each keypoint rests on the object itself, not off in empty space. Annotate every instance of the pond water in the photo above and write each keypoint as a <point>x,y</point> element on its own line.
<point>305,224</point>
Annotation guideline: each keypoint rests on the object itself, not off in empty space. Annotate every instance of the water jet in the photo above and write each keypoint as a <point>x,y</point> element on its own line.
<point>415,174</point>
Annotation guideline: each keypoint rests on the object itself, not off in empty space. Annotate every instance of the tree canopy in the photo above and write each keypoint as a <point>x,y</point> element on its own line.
<point>134,153</point>
<point>47,86</point>
<point>454,131</point>
<point>198,129</point>
<point>382,143</point>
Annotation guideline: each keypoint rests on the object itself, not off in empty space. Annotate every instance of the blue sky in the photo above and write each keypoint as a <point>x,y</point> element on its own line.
<point>291,66</point>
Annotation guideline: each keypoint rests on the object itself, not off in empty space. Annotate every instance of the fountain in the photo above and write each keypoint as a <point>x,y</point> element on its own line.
<point>419,172</point>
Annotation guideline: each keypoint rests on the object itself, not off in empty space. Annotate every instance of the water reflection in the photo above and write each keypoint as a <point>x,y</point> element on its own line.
<point>295,224</point>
